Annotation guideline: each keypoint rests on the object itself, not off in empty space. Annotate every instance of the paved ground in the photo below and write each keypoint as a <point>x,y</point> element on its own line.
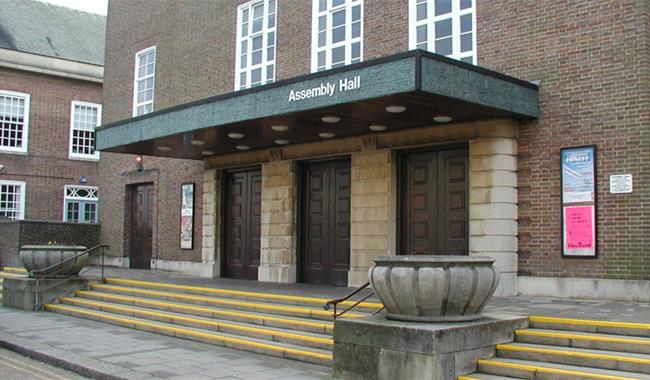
<point>18,367</point>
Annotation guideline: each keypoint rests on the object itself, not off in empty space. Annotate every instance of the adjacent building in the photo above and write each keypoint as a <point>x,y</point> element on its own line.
<point>295,141</point>
<point>51,71</point>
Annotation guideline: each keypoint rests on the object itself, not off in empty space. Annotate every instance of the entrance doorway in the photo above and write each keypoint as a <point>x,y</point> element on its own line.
<point>142,206</point>
<point>434,203</point>
<point>242,211</point>
<point>325,222</point>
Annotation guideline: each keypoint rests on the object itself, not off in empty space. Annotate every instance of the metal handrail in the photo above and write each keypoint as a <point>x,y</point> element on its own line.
<point>334,302</point>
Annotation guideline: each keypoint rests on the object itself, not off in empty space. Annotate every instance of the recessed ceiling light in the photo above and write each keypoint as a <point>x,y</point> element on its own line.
<point>164,148</point>
<point>279,128</point>
<point>282,142</point>
<point>395,109</point>
<point>442,119</point>
<point>235,135</point>
<point>243,147</point>
<point>207,153</point>
<point>330,119</point>
<point>377,128</point>
<point>197,142</point>
<point>326,135</point>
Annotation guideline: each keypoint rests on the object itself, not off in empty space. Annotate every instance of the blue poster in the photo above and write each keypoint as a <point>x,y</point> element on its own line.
<point>578,175</point>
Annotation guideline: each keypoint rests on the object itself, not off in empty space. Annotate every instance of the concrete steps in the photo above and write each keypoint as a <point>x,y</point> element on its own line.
<point>280,325</point>
<point>560,348</point>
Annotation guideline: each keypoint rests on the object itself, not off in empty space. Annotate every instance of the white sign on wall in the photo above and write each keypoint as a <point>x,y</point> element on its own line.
<point>620,183</point>
<point>326,89</point>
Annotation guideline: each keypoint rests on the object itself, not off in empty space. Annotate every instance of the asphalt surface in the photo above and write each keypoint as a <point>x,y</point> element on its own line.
<point>18,367</point>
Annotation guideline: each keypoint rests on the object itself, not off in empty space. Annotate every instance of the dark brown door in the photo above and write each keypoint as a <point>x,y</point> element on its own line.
<point>325,232</point>
<point>142,204</point>
<point>243,201</point>
<point>434,203</point>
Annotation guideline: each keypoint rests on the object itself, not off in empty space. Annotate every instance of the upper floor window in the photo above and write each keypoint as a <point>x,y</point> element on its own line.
<point>12,200</point>
<point>14,121</point>
<point>84,118</point>
<point>145,71</point>
<point>446,27</point>
<point>337,33</point>
<point>80,204</point>
<point>255,56</point>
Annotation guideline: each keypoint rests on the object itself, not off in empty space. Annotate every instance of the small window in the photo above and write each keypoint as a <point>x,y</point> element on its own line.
<point>84,118</point>
<point>81,204</point>
<point>255,55</point>
<point>337,33</point>
<point>445,27</point>
<point>14,121</point>
<point>143,87</point>
<point>12,200</point>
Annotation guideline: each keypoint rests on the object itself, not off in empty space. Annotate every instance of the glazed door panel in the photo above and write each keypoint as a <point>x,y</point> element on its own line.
<point>142,204</point>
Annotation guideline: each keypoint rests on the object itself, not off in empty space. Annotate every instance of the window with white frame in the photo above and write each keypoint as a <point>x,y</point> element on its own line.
<point>84,118</point>
<point>80,204</point>
<point>143,86</point>
<point>255,56</point>
<point>446,27</point>
<point>14,121</point>
<point>337,33</point>
<point>12,200</point>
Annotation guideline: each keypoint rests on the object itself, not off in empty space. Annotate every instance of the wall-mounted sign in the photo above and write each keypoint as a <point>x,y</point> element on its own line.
<point>326,89</point>
<point>579,231</point>
<point>187,215</point>
<point>578,174</point>
<point>620,183</point>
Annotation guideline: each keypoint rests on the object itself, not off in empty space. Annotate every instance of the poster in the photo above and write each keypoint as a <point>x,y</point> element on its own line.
<point>579,231</point>
<point>187,215</point>
<point>578,175</point>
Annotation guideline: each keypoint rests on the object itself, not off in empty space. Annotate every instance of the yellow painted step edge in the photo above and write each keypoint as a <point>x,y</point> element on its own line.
<point>316,300</point>
<point>572,353</point>
<point>466,378</point>
<point>291,309</point>
<point>218,324</point>
<point>585,322</point>
<point>583,337</point>
<point>211,336</point>
<point>558,371</point>
<point>324,325</point>
<point>15,269</point>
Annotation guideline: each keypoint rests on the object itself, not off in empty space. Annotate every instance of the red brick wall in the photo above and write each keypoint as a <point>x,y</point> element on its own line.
<point>46,168</point>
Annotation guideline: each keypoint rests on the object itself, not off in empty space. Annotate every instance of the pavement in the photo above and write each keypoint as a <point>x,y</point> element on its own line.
<point>14,366</point>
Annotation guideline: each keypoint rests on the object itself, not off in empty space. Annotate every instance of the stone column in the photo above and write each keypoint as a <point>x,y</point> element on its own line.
<point>372,226</point>
<point>278,235</point>
<point>210,252</point>
<point>493,206</point>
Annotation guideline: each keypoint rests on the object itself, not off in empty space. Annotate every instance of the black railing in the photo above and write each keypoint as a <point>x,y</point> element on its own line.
<point>334,302</point>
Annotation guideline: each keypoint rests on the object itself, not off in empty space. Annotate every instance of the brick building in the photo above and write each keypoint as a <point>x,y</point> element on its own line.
<point>51,73</point>
<point>321,134</point>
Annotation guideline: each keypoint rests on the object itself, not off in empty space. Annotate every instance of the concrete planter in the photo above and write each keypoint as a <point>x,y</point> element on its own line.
<point>37,257</point>
<point>434,288</point>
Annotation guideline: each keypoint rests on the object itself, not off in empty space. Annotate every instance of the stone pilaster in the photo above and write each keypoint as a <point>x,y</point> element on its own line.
<point>493,206</point>
<point>210,252</point>
<point>278,229</point>
<point>372,227</point>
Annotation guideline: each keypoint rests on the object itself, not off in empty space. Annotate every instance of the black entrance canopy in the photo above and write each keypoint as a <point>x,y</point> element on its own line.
<point>412,89</point>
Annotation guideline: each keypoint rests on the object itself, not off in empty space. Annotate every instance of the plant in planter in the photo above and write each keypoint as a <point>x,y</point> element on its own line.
<point>39,257</point>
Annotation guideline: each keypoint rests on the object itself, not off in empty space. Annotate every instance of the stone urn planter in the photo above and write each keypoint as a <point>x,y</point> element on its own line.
<point>434,288</point>
<point>37,257</point>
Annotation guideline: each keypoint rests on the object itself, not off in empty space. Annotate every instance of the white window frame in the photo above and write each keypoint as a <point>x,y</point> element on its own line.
<point>347,42</point>
<point>136,79</point>
<point>23,187</point>
<point>266,30</point>
<point>25,140</point>
<point>455,15</point>
<point>73,105</point>
<point>84,200</point>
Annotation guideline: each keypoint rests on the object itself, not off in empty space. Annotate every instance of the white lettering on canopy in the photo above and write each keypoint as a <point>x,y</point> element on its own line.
<point>326,89</point>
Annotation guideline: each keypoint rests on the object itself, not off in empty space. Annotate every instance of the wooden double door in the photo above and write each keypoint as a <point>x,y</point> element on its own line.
<point>141,225</point>
<point>325,222</point>
<point>434,203</point>
<point>242,217</point>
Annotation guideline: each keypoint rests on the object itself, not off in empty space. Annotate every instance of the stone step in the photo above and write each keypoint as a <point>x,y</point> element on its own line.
<point>596,341</point>
<point>483,376</point>
<point>295,323</point>
<point>321,341</point>
<point>592,326</point>
<point>263,307</point>
<point>630,362</point>
<point>284,350</point>
<point>527,369</point>
<point>244,295</point>
<point>15,270</point>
